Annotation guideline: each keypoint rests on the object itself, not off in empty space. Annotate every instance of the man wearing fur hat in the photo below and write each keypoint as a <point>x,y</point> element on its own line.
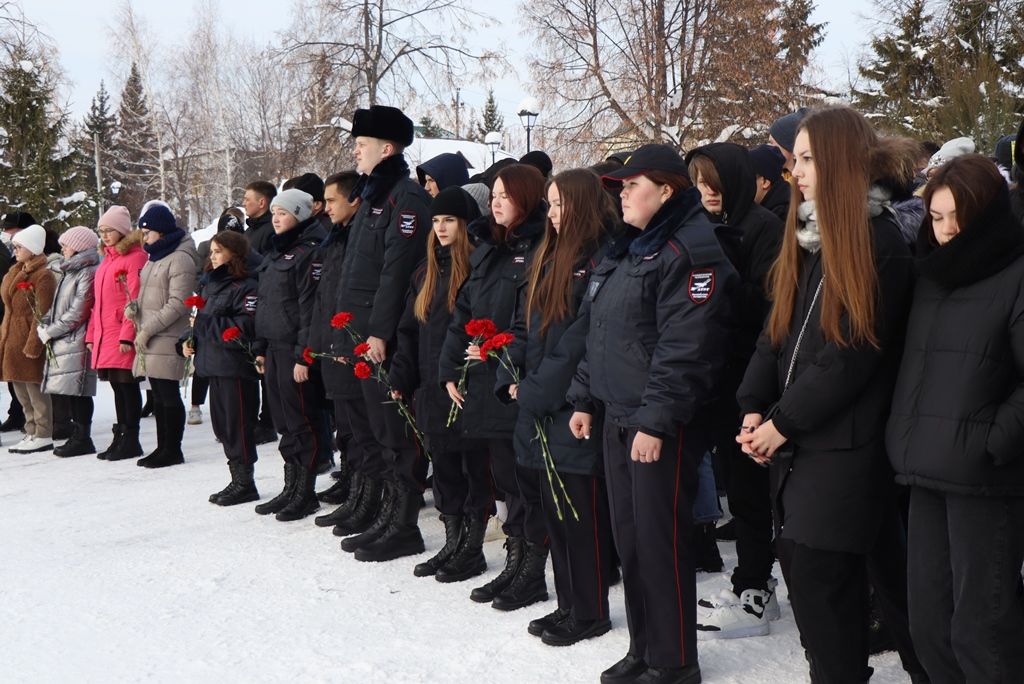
<point>387,241</point>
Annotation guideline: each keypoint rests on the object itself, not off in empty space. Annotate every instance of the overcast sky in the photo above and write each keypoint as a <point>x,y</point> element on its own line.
<point>78,28</point>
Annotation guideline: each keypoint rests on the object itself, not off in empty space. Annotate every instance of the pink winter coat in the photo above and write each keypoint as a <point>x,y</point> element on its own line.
<point>107,325</point>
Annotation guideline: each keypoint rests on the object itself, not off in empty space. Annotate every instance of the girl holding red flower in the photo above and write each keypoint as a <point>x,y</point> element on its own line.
<point>224,325</point>
<point>462,479</point>
<point>507,240</point>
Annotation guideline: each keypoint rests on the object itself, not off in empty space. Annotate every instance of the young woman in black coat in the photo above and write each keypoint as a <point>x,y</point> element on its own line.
<point>230,298</point>
<point>957,426</point>
<point>550,341</point>
<point>463,491</point>
<point>819,385</point>
<point>506,242</point>
<point>660,309</point>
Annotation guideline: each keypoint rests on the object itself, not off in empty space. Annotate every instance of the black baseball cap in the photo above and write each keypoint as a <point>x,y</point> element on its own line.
<point>652,157</point>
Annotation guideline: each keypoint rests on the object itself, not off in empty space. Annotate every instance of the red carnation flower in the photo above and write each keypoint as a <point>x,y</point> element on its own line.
<point>121,275</point>
<point>362,370</point>
<point>25,286</point>
<point>231,334</point>
<point>495,344</point>
<point>362,349</point>
<point>341,320</point>
<point>481,327</point>
<point>307,356</point>
<point>195,301</point>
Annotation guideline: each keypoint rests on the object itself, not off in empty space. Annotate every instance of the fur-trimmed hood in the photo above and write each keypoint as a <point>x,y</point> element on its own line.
<point>132,239</point>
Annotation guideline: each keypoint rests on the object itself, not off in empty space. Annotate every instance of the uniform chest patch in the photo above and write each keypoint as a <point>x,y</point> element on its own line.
<point>407,224</point>
<point>316,270</point>
<point>592,288</point>
<point>580,274</point>
<point>289,257</point>
<point>250,303</point>
<point>519,260</point>
<point>377,211</point>
<point>702,284</point>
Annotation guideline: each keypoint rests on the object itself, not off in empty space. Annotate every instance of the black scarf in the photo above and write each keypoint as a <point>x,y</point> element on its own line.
<point>481,230</point>
<point>376,186</point>
<point>989,244</point>
<point>282,242</point>
<point>165,246</point>
<point>661,227</point>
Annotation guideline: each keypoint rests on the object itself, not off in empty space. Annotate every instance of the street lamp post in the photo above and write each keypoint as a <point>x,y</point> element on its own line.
<point>529,109</point>
<point>493,141</point>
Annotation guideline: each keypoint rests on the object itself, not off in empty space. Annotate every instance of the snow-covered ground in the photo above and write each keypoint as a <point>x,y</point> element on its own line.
<point>114,573</point>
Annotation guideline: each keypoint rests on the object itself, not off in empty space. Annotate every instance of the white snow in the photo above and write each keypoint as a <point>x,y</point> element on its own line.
<point>27,66</point>
<point>114,573</point>
<point>982,88</point>
<point>478,154</point>
<point>74,198</point>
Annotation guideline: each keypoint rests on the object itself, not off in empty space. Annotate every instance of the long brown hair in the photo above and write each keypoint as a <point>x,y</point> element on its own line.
<point>843,145</point>
<point>459,250</point>
<point>238,245</point>
<point>586,209</point>
<point>524,185</point>
<point>974,182</point>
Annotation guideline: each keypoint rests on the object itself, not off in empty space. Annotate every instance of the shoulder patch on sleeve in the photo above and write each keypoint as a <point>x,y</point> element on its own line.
<point>316,270</point>
<point>250,303</point>
<point>702,285</point>
<point>407,223</point>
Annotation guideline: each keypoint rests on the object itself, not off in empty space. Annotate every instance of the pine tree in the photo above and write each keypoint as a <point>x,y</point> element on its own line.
<point>135,150</point>
<point>35,171</point>
<point>493,120</point>
<point>428,128</point>
<point>799,35</point>
<point>99,123</point>
<point>904,90</point>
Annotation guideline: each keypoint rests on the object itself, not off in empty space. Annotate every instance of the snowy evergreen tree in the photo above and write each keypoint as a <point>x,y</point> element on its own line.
<point>492,118</point>
<point>99,122</point>
<point>799,35</point>
<point>428,128</point>
<point>135,150</point>
<point>36,171</point>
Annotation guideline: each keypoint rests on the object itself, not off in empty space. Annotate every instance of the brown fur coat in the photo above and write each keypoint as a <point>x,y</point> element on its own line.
<point>21,352</point>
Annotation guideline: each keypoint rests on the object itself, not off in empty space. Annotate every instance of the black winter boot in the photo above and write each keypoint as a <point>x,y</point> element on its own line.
<point>242,488</point>
<point>552,619</point>
<point>80,443</point>
<point>468,559</point>
<point>117,429</point>
<point>148,407</point>
<point>529,585</point>
<point>172,427</point>
<point>128,447</point>
<point>573,631</point>
<point>343,512</point>
<point>282,499</point>
<point>304,501</point>
<point>367,506</point>
<point>402,536</point>
<point>156,454</point>
<point>515,548</point>
<point>452,535</point>
<point>690,674</point>
<point>378,525</point>
<point>705,549</point>
<point>338,491</point>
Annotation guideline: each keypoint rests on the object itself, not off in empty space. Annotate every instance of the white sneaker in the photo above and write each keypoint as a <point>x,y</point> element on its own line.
<point>747,616</point>
<point>195,416</point>
<point>32,445</point>
<point>16,447</point>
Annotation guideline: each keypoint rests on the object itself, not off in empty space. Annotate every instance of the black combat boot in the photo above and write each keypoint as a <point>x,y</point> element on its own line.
<point>572,631</point>
<point>468,559</point>
<point>529,585</point>
<point>689,674</point>
<point>378,525</point>
<point>282,499</point>
<point>128,447</point>
<point>452,534</point>
<point>80,443</point>
<point>242,488</point>
<point>402,536</point>
<point>343,512</point>
<point>304,501</point>
<point>515,548</point>
<point>367,506</point>
<point>118,431</point>
<point>336,494</point>
<point>552,619</point>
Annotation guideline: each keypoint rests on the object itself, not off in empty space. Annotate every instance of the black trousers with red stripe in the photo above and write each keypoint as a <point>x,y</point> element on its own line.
<point>234,410</point>
<point>652,523</point>
<point>295,407</point>
<point>580,549</point>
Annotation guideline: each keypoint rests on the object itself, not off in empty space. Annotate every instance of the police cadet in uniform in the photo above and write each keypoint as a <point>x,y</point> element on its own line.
<point>386,243</point>
<point>288,279</point>
<point>660,308</point>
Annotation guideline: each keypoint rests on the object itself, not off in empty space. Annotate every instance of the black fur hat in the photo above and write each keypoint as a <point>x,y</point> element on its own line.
<point>386,123</point>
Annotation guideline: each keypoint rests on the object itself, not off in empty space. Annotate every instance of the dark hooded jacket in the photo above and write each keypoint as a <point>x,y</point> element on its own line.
<point>957,420</point>
<point>446,169</point>
<point>493,290</point>
<point>259,230</point>
<point>777,199</point>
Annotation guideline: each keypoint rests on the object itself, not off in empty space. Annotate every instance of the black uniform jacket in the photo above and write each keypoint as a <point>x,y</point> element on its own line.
<point>339,382</point>
<point>661,305</point>
<point>259,231</point>
<point>230,303</point>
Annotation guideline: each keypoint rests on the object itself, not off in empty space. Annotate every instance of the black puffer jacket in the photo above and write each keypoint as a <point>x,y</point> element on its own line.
<point>493,290</point>
<point>777,199</point>
<point>546,365</point>
<point>230,302</point>
<point>386,242</point>
<point>260,230</point>
<point>339,382</point>
<point>957,421</point>
<point>830,492</point>
<point>414,365</point>
<point>288,278</point>
<point>661,305</point>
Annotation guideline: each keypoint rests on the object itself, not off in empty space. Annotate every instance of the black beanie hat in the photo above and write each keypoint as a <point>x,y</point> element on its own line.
<point>309,183</point>
<point>768,162</point>
<point>17,219</point>
<point>454,201</point>
<point>539,160</point>
<point>783,129</point>
<point>386,123</point>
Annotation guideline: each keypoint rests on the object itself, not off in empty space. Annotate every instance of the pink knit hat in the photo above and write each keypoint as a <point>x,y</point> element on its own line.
<point>117,217</point>
<point>78,238</point>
